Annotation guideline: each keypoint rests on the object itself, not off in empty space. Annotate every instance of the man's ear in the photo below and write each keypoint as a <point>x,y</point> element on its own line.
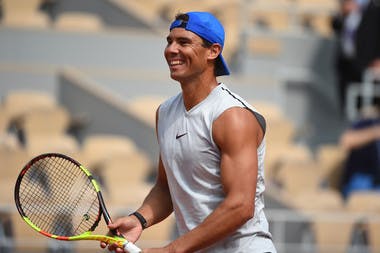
<point>215,51</point>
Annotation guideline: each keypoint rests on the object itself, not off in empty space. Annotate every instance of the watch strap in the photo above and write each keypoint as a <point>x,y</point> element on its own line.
<point>141,219</point>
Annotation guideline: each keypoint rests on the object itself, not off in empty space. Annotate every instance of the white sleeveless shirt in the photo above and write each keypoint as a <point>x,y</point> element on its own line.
<point>192,165</point>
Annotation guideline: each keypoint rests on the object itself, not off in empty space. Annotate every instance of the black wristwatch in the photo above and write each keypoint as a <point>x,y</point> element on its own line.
<point>141,219</point>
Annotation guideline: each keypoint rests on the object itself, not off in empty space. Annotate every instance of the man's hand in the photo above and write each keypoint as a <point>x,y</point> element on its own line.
<point>129,227</point>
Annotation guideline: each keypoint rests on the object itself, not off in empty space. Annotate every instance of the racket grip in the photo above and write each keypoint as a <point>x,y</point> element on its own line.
<point>131,248</point>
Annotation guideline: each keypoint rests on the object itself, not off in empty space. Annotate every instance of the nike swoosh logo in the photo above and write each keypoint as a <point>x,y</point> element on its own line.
<point>180,135</point>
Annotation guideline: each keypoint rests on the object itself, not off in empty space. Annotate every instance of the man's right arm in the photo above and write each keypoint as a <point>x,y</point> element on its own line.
<point>158,204</point>
<point>352,139</point>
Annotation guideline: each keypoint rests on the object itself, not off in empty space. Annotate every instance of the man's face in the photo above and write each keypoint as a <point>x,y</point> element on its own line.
<point>185,54</point>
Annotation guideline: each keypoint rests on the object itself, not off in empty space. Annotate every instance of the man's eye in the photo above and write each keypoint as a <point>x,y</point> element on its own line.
<point>183,42</point>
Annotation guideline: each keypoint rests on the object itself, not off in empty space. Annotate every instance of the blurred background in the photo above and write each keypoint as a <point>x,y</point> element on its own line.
<point>84,78</point>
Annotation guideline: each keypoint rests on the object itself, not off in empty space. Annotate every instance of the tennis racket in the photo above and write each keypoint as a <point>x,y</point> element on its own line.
<point>60,199</point>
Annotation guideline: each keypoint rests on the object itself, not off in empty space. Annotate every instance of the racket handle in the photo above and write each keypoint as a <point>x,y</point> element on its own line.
<point>131,248</point>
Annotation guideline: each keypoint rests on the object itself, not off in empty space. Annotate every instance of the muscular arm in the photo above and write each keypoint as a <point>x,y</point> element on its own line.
<point>155,208</point>
<point>157,205</point>
<point>237,134</point>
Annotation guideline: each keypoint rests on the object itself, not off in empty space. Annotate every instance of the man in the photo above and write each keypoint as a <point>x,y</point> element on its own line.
<point>356,27</point>
<point>361,142</point>
<point>210,170</point>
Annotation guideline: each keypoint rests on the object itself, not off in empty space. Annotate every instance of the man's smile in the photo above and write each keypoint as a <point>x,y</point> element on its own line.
<point>175,62</point>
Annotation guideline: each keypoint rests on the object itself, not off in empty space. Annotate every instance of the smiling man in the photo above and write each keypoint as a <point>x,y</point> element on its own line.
<point>210,169</point>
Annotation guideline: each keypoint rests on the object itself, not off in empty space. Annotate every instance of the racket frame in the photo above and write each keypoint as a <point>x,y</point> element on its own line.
<point>115,239</point>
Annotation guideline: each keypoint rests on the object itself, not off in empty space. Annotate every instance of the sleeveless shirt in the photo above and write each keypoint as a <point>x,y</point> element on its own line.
<point>192,164</point>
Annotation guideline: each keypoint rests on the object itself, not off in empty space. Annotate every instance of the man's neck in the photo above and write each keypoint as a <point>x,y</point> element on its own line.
<point>196,91</point>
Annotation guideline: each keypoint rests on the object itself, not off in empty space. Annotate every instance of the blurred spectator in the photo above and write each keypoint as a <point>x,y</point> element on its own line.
<point>358,33</point>
<point>361,170</point>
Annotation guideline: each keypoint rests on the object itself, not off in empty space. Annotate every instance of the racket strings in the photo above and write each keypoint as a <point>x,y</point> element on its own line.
<point>58,197</point>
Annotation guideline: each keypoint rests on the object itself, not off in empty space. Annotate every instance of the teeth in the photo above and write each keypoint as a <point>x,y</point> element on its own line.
<point>175,62</point>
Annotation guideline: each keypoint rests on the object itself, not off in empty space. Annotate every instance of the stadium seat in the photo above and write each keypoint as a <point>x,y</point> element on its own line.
<point>280,130</point>
<point>78,21</point>
<point>330,158</point>
<point>364,201</point>
<point>124,179</point>
<point>19,20</point>
<point>374,234</point>
<point>323,207</point>
<point>145,108</point>
<point>148,11</point>
<point>319,199</point>
<point>4,120</point>
<point>317,6</point>
<point>316,15</point>
<point>12,161</point>
<point>320,23</point>
<point>277,155</point>
<point>46,121</point>
<point>98,148</point>
<point>269,110</point>
<point>264,46</point>
<point>175,7</point>
<point>275,20</point>
<point>6,188</point>
<point>129,169</point>
<point>296,177</point>
<point>21,13</point>
<point>367,205</point>
<point>126,195</point>
<point>25,238</point>
<point>21,5</point>
<point>65,144</point>
<point>19,102</point>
